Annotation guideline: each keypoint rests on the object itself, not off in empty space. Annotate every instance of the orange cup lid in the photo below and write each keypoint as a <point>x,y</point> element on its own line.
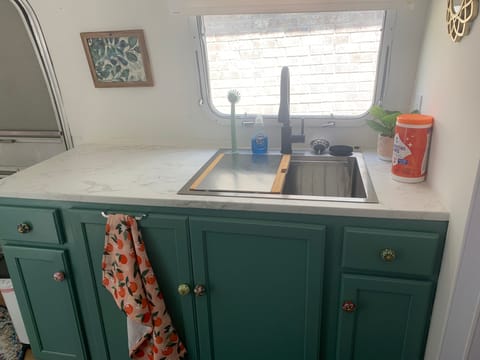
<point>415,119</point>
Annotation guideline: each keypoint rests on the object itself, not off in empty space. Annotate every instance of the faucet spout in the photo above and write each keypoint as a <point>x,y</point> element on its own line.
<point>284,115</point>
<point>284,110</point>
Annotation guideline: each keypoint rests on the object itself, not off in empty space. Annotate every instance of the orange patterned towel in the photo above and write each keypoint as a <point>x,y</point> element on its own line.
<point>128,275</point>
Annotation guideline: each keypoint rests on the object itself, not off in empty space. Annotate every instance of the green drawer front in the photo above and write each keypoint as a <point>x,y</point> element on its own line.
<point>415,253</point>
<point>42,224</point>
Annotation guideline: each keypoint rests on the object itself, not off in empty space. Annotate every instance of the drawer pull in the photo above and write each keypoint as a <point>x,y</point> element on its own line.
<point>24,228</point>
<point>388,255</point>
<point>183,289</point>
<point>199,290</point>
<point>349,306</point>
<point>59,276</point>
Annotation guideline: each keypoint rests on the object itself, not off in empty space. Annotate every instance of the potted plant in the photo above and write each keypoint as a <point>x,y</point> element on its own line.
<point>384,123</point>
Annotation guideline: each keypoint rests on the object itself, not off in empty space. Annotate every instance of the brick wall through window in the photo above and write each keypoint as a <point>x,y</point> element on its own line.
<point>332,58</point>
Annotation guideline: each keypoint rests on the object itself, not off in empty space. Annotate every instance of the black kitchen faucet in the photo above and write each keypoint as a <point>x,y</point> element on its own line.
<point>284,115</point>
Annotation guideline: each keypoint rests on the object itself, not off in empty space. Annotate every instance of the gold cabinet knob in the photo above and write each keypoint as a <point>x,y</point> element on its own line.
<point>349,306</point>
<point>388,255</point>
<point>183,289</point>
<point>200,290</point>
<point>59,276</point>
<point>24,228</point>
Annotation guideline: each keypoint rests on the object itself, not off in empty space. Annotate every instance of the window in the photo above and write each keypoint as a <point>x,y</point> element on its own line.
<point>333,59</point>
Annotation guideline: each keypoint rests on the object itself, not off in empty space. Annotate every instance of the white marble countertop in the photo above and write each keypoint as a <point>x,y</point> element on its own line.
<point>150,175</point>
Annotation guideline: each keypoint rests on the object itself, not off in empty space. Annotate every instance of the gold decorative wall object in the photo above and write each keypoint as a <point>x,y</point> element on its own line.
<point>460,15</point>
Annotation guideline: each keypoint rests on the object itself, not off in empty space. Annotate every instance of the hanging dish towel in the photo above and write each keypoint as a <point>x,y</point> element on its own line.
<point>128,276</point>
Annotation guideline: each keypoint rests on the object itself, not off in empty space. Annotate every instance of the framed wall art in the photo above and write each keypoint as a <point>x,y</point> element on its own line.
<point>117,58</point>
<point>460,16</point>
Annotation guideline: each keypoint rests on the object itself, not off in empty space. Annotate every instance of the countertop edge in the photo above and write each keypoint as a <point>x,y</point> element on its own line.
<point>152,176</point>
<point>272,206</point>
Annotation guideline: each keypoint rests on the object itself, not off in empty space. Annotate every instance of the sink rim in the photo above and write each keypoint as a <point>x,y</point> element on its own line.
<point>371,196</point>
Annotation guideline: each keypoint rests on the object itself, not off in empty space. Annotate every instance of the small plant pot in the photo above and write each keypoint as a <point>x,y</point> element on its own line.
<point>385,147</point>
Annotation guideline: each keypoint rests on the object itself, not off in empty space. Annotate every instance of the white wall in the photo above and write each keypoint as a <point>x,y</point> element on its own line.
<point>168,113</point>
<point>448,79</point>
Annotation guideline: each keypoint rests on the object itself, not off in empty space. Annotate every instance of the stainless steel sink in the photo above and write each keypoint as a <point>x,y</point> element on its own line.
<point>325,176</point>
<point>309,177</point>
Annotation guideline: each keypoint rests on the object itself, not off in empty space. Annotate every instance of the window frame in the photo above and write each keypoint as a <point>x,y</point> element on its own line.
<point>381,80</point>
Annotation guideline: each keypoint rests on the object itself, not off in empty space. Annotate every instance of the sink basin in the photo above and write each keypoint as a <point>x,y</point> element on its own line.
<point>325,176</point>
<point>305,177</point>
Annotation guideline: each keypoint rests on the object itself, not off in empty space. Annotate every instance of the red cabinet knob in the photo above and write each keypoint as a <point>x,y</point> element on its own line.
<point>199,290</point>
<point>348,306</point>
<point>59,276</point>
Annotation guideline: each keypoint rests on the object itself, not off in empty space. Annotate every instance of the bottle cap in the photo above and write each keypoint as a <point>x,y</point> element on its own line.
<point>414,119</point>
<point>259,120</point>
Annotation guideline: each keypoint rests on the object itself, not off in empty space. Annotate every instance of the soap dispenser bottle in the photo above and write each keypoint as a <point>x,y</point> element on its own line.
<point>259,140</point>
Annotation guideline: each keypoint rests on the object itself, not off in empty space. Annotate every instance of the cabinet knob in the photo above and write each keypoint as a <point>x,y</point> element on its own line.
<point>183,289</point>
<point>388,255</point>
<point>24,228</point>
<point>199,290</point>
<point>59,276</point>
<point>348,306</point>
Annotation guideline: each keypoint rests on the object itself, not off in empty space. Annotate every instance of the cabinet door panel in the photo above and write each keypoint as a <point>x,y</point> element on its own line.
<point>166,242</point>
<point>48,306</point>
<point>390,319</point>
<point>263,289</point>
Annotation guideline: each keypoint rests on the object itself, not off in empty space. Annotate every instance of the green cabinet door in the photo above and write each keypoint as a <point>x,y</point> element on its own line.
<point>48,305</point>
<point>262,282</point>
<point>388,318</point>
<point>166,243</point>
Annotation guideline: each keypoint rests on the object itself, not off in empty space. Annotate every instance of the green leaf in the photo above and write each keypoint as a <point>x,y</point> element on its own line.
<point>379,127</point>
<point>122,61</point>
<point>132,57</point>
<point>377,112</point>
<point>110,52</point>
<point>390,120</point>
<point>132,41</point>
<point>125,74</point>
<point>104,74</point>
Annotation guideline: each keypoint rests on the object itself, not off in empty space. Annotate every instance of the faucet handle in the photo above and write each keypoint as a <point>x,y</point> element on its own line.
<point>300,138</point>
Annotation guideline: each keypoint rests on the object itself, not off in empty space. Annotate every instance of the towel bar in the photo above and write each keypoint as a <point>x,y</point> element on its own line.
<point>138,218</point>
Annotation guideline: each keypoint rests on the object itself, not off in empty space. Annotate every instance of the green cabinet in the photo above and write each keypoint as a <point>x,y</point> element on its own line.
<point>166,240</point>
<point>263,288</point>
<point>386,293</point>
<point>386,318</point>
<point>253,285</point>
<point>262,281</point>
<point>45,293</point>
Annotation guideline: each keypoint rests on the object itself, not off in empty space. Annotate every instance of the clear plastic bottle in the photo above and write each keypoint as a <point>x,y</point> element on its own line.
<point>259,140</point>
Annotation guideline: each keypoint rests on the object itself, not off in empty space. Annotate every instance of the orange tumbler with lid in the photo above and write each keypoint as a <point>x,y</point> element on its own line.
<point>411,145</point>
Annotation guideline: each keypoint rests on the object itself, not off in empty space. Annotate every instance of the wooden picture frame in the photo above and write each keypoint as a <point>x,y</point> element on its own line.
<point>117,58</point>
